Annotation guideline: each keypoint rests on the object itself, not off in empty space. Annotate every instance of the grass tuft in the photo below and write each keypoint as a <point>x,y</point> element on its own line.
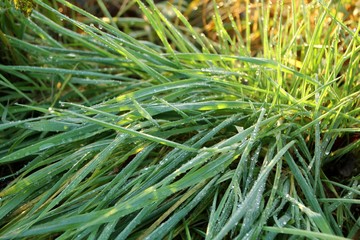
<point>146,122</point>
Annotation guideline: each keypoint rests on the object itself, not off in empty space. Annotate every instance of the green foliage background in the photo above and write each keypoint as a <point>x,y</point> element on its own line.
<point>145,127</point>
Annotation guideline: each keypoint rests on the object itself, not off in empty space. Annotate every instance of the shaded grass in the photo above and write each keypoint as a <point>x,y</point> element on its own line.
<point>104,136</point>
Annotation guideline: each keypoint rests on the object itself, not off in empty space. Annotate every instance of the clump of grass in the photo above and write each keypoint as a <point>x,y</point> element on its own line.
<point>105,136</point>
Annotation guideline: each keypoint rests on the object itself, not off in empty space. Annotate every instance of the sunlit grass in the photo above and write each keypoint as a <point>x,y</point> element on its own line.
<point>114,131</point>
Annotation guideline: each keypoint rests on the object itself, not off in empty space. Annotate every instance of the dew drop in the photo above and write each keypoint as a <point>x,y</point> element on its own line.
<point>46,146</point>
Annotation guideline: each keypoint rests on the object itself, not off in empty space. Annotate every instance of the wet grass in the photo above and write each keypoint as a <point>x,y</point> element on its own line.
<point>160,130</point>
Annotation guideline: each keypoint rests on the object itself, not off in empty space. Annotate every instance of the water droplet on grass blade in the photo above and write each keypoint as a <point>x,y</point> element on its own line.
<point>46,146</point>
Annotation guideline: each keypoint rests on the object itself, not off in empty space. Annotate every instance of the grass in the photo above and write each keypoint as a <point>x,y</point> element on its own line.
<point>148,126</point>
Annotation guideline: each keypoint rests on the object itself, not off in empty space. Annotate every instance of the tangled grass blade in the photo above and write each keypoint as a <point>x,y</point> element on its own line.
<point>179,119</point>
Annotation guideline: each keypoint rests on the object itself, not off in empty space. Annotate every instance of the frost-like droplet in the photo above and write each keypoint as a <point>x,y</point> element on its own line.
<point>46,146</point>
